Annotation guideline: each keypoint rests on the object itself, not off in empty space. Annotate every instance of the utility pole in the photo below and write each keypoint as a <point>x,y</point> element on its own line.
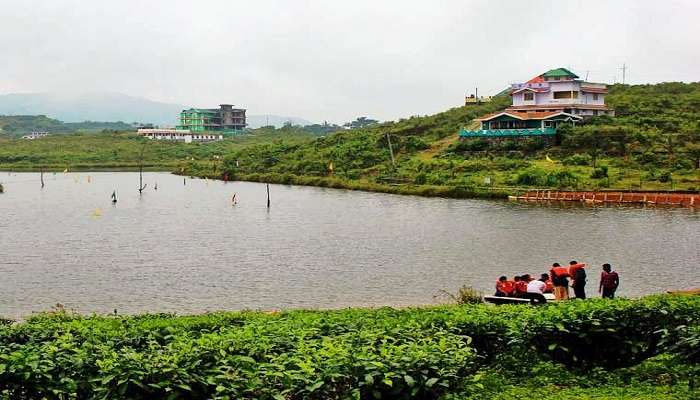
<point>391,151</point>
<point>624,70</point>
<point>587,75</point>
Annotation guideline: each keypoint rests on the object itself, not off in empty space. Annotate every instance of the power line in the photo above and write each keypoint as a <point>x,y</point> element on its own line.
<point>624,70</point>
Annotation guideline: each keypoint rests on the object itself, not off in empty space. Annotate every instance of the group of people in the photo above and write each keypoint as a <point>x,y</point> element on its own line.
<point>557,281</point>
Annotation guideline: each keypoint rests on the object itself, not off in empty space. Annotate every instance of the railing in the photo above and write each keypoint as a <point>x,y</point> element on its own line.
<point>491,133</point>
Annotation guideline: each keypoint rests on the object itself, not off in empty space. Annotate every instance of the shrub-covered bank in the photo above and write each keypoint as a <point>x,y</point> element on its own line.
<point>455,352</point>
<point>370,186</point>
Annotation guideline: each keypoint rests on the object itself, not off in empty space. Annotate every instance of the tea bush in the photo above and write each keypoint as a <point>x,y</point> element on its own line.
<point>355,353</point>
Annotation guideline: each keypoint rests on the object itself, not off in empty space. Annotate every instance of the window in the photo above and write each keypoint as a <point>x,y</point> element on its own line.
<point>595,96</point>
<point>528,96</point>
<point>566,94</point>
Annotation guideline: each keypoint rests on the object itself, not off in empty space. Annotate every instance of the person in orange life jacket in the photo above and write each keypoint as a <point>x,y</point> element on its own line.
<point>609,281</point>
<point>520,286</point>
<point>504,287</point>
<point>550,285</point>
<point>535,290</point>
<point>560,281</point>
<point>578,276</point>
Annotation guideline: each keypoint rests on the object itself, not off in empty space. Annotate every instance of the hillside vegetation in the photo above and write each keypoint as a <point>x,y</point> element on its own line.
<point>124,150</point>
<point>593,349</point>
<point>18,125</point>
<point>653,143</point>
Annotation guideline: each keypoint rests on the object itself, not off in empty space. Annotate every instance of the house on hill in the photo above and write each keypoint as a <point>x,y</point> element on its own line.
<point>543,103</point>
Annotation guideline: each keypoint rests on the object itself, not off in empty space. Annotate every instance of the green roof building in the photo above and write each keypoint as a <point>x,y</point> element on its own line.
<point>222,119</point>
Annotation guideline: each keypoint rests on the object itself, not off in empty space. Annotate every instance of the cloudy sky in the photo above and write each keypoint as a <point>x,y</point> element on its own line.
<point>334,60</point>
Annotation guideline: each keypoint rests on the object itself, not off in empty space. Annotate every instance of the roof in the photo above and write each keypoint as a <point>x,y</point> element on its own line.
<point>593,89</point>
<point>531,115</point>
<point>538,90</point>
<point>202,110</point>
<point>537,79</point>
<point>559,72</point>
<point>558,107</point>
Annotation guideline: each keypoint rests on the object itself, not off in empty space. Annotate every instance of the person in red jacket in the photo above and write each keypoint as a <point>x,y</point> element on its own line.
<point>520,286</point>
<point>609,281</point>
<point>578,276</point>
<point>560,281</point>
<point>504,287</point>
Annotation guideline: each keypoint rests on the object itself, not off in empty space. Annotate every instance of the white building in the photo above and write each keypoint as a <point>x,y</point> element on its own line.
<point>35,135</point>
<point>184,135</point>
<point>560,90</point>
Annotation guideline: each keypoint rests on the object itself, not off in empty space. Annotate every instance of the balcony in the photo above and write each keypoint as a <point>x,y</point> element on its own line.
<point>505,133</point>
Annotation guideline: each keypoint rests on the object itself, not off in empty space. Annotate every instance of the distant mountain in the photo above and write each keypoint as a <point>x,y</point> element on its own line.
<point>108,106</point>
<point>256,121</point>
<point>90,107</point>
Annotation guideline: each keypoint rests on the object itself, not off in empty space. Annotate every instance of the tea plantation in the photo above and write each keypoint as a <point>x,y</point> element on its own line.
<point>597,349</point>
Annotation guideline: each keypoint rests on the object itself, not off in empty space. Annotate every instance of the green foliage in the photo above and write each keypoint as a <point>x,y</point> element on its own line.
<point>656,130</point>
<point>600,173</point>
<point>465,295</point>
<point>578,159</point>
<point>17,125</point>
<point>353,353</point>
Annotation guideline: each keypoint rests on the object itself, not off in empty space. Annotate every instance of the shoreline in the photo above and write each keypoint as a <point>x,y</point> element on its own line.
<point>406,189</point>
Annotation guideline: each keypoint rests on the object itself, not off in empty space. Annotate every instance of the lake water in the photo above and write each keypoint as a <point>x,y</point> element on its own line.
<point>184,248</point>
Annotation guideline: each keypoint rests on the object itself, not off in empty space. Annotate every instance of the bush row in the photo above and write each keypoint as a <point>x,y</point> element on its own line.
<point>354,353</point>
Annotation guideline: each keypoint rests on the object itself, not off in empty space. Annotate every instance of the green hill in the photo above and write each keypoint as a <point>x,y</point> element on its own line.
<point>18,125</point>
<point>653,143</point>
<point>655,140</point>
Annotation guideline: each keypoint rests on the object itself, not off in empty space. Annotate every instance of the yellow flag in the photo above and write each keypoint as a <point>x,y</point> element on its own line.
<point>548,159</point>
<point>330,166</point>
<point>65,171</point>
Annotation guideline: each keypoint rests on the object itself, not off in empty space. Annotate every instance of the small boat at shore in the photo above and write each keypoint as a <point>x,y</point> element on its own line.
<point>498,300</point>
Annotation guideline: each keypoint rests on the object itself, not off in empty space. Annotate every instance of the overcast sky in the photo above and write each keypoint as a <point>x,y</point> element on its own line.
<point>334,60</point>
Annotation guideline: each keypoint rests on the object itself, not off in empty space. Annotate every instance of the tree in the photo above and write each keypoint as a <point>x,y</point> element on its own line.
<point>692,150</point>
<point>360,122</point>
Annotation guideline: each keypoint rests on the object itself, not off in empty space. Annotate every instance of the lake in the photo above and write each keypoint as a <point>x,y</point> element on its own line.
<point>185,248</point>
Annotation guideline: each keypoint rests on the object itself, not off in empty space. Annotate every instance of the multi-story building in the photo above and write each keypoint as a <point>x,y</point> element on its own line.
<point>541,104</point>
<point>222,119</point>
<point>560,90</point>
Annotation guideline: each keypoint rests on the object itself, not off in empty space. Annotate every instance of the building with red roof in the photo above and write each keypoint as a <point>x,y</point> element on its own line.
<point>543,103</point>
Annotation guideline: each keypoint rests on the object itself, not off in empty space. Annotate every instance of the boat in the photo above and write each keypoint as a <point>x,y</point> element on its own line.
<point>513,300</point>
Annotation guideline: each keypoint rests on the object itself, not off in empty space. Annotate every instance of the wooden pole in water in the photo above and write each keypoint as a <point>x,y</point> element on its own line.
<point>141,185</point>
<point>268,195</point>
<point>42,177</point>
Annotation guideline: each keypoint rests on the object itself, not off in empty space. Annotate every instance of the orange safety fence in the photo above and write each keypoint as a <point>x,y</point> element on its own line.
<point>679,199</point>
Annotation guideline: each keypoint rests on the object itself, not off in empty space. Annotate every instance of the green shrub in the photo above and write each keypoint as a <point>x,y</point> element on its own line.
<point>582,159</point>
<point>532,177</point>
<point>599,173</point>
<point>665,176</point>
<point>355,353</point>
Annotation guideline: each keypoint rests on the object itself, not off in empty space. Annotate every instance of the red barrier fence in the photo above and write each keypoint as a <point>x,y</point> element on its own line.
<point>671,199</point>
